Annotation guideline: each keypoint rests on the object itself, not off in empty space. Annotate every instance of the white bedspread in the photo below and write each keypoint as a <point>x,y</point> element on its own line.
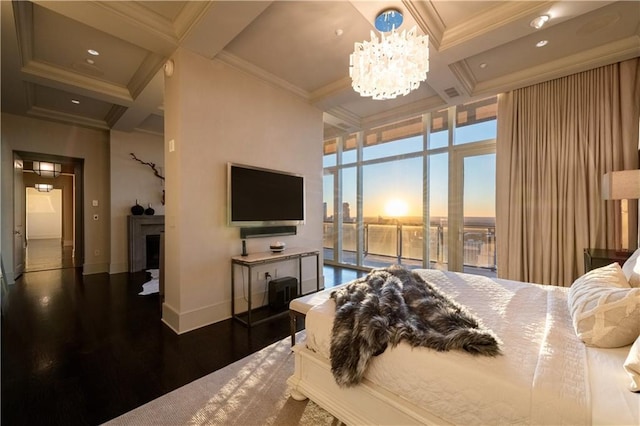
<point>540,379</point>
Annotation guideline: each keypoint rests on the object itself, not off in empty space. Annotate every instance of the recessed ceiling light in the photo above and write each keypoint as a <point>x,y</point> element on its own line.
<point>542,43</point>
<point>483,65</point>
<point>538,22</point>
<point>93,52</point>
<point>75,101</point>
<point>90,61</point>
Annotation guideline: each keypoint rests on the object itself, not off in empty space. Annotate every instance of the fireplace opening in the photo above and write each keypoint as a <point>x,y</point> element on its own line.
<point>153,251</point>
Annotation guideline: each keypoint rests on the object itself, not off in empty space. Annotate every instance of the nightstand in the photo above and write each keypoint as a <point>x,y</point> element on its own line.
<point>597,258</point>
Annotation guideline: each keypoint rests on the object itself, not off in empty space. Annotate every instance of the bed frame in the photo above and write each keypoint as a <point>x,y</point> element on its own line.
<point>365,403</point>
<point>373,403</point>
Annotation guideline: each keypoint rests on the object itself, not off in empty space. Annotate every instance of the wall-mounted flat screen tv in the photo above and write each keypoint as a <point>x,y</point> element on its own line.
<point>264,197</point>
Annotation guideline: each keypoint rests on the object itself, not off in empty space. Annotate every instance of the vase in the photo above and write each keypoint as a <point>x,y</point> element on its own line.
<point>137,210</point>
<point>149,211</point>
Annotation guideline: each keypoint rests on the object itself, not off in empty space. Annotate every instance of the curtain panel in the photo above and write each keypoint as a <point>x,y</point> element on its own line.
<point>555,142</point>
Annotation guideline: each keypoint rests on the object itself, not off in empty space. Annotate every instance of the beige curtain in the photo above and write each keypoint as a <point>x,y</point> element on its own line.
<point>555,141</point>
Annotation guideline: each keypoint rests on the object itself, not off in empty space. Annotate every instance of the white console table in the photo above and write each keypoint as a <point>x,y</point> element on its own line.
<point>256,259</point>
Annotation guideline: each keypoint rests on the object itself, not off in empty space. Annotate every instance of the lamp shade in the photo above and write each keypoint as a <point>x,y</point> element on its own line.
<point>621,185</point>
<point>46,169</point>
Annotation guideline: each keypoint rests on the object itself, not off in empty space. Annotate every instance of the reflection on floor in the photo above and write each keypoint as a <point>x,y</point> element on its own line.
<point>46,254</point>
<point>334,276</point>
<point>378,261</point>
<point>82,349</point>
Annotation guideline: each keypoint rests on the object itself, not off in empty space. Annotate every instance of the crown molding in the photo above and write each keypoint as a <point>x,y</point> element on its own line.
<point>63,117</point>
<point>23,15</point>
<point>30,95</point>
<point>145,73</point>
<point>330,90</point>
<point>134,12</point>
<point>427,19</point>
<point>149,132</point>
<point>115,113</point>
<point>260,74</point>
<point>617,51</point>
<point>464,75</point>
<point>490,20</point>
<point>126,20</point>
<point>345,116</point>
<point>405,111</point>
<point>59,78</point>
<point>189,17</point>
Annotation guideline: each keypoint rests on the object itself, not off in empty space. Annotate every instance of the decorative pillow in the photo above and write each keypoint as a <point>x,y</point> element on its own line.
<point>632,365</point>
<point>631,269</point>
<point>605,310</point>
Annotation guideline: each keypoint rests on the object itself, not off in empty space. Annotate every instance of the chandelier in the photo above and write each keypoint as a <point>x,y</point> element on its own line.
<point>393,65</point>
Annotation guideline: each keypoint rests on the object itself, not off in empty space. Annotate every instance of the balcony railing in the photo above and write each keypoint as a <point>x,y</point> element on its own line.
<point>402,243</point>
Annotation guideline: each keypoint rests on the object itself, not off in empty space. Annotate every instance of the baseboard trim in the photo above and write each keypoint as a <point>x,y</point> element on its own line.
<point>183,322</point>
<point>95,268</point>
<point>171,318</point>
<point>118,268</point>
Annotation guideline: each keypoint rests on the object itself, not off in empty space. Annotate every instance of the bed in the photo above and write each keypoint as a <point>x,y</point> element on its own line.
<point>546,374</point>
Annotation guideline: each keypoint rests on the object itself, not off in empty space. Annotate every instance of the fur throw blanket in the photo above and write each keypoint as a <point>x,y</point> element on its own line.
<point>392,304</point>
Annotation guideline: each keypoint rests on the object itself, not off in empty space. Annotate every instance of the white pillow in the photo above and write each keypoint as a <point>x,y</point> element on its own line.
<point>632,366</point>
<point>631,269</point>
<point>605,310</point>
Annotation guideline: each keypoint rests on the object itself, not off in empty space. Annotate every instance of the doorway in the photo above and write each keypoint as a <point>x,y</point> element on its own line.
<point>472,211</point>
<point>47,247</point>
<point>53,226</point>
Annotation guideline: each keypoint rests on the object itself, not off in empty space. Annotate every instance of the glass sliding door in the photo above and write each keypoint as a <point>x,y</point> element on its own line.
<point>472,210</point>
<point>472,188</point>
<point>479,214</point>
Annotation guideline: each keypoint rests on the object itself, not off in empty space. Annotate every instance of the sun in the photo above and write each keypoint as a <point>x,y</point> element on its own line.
<point>396,208</point>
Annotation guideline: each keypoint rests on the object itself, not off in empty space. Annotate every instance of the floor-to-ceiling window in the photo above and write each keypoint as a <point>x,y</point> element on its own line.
<point>472,183</point>
<point>419,192</point>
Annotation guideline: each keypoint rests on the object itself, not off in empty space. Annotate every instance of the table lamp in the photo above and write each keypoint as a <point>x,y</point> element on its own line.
<point>622,185</point>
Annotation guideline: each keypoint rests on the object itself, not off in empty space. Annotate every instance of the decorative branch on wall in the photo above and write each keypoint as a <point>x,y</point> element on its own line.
<point>154,168</point>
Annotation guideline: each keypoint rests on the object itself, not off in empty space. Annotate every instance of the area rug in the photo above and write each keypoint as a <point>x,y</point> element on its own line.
<point>153,285</point>
<point>252,391</point>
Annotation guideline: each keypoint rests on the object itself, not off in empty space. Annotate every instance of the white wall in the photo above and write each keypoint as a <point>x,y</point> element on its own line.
<point>47,137</point>
<point>44,214</point>
<point>216,114</point>
<point>131,181</point>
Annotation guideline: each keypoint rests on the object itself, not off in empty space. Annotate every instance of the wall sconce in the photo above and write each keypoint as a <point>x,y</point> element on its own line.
<point>46,169</point>
<point>622,185</point>
<point>43,187</point>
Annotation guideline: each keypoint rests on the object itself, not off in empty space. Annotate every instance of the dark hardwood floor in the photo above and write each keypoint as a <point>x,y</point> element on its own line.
<point>81,350</point>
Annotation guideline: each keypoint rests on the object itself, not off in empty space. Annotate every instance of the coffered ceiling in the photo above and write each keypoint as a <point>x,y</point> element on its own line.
<point>477,49</point>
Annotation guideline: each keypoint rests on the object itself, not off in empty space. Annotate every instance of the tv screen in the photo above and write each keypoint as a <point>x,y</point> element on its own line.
<point>263,197</point>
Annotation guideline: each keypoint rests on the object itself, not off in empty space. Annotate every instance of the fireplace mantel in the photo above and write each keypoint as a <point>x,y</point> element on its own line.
<point>139,228</point>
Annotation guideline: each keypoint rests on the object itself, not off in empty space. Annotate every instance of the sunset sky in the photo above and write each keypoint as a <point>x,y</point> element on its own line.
<point>396,187</point>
